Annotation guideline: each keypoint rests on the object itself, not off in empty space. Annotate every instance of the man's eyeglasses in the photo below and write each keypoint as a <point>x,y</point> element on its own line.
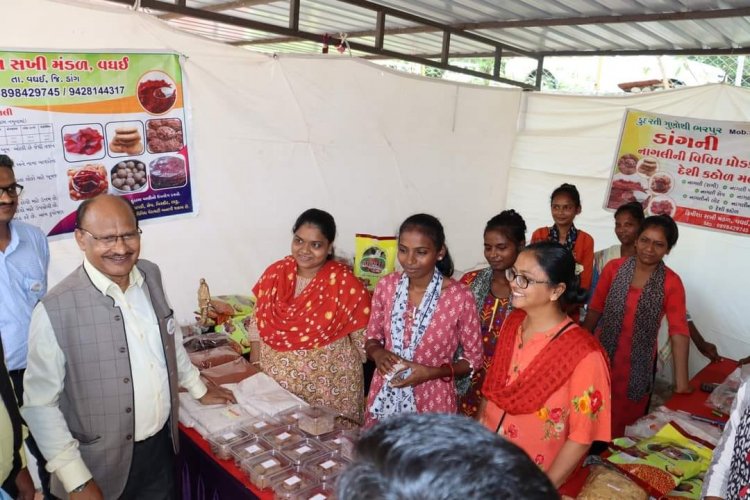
<point>521,280</point>
<point>110,241</point>
<point>14,190</point>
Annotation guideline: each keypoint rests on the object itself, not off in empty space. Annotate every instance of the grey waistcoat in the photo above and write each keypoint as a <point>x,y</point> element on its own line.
<point>97,397</point>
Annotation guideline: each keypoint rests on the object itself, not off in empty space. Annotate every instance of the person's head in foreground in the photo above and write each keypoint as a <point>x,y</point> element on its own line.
<point>439,456</point>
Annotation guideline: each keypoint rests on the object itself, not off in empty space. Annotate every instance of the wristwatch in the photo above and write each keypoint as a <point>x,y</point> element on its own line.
<point>80,488</point>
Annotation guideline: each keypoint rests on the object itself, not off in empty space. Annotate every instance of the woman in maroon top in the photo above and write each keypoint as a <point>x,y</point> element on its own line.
<point>631,298</point>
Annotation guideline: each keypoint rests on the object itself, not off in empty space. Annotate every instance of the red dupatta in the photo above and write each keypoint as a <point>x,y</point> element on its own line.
<point>331,307</point>
<point>548,371</point>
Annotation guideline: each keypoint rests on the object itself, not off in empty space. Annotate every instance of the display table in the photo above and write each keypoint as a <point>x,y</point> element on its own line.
<point>205,477</point>
<point>692,403</point>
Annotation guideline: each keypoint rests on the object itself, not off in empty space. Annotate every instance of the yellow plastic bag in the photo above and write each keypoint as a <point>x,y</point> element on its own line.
<point>374,257</point>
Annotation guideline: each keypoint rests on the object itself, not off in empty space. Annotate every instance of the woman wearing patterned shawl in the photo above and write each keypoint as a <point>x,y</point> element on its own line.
<point>565,204</point>
<point>419,317</point>
<point>310,315</point>
<point>504,238</point>
<point>631,298</point>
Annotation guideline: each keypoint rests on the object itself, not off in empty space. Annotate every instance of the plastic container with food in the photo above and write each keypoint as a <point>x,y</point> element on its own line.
<point>319,492</point>
<point>283,435</point>
<point>249,447</point>
<point>260,425</point>
<point>304,450</point>
<point>290,416</point>
<point>291,481</point>
<point>327,466</point>
<point>261,468</point>
<point>316,420</point>
<point>221,442</point>
<point>342,441</point>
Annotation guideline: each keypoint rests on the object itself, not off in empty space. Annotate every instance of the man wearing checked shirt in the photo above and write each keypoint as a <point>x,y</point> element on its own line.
<point>24,258</point>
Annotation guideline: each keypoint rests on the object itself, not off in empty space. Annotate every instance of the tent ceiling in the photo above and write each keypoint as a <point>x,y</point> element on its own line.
<point>441,29</point>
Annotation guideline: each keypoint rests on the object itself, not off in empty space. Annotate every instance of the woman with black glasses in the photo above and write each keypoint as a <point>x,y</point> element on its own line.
<point>548,387</point>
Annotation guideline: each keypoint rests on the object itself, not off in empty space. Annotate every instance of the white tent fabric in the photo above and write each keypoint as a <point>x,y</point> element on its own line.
<point>274,136</point>
<point>574,139</point>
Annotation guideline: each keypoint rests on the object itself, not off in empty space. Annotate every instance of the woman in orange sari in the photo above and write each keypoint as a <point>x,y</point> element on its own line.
<point>548,387</point>
<point>310,314</point>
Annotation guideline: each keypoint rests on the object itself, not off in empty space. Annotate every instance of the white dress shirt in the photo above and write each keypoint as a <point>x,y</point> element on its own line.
<point>45,373</point>
<point>717,476</point>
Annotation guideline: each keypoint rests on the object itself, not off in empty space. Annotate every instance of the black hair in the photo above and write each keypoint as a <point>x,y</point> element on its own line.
<point>85,204</point>
<point>666,223</point>
<point>633,208</point>
<point>320,219</point>
<point>430,226</point>
<point>560,267</point>
<point>6,161</point>
<point>440,457</point>
<point>568,190</point>
<point>510,224</point>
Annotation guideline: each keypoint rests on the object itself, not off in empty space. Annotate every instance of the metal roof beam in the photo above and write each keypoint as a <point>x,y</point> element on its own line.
<point>174,8</point>
<point>621,18</point>
<point>649,52</point>
<point>537,23</point>
<point>219,7</point>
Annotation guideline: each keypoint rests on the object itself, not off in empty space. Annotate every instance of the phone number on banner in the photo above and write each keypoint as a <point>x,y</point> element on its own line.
<point>35,92</point>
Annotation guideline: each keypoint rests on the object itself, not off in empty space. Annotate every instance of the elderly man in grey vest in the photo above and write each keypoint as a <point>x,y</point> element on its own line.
<point>105,365</point>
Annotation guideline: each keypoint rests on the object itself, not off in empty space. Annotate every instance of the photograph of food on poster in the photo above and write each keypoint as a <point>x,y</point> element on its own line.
<point>697,171</point>
<point>81,124</point>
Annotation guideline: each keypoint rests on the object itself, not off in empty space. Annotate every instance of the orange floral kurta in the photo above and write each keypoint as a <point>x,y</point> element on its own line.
<point>579,410</point>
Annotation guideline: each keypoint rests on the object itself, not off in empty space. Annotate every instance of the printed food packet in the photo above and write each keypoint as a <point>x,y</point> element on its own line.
<point>237,329</point>
<point>722,398</point>
<point>660,463</point>
<point>242,305</point>
<point>374,257</point>
<point>213,357</point>
<point>687,489</point>
<point>603,483</point>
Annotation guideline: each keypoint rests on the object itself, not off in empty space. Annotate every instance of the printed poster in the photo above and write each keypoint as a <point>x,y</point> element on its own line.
<point>697,171</point>
<point>81,124</point>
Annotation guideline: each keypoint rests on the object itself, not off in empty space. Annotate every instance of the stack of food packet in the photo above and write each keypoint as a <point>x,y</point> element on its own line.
<point>668,465</point>
<point>234,315</point>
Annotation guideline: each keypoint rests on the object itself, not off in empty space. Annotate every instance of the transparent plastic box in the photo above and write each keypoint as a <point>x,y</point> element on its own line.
<point>327,466</point>
<point>261,468</point>
<point>304,450</point>
<point>259,425</point>
<point>222,441</point>
<point>283,435</point>
<point>316,420</point>
<point>249,447</point>
<point>320,492</point>
<point>290,482</point>
<point>343,441</point>
<point>290,416</point>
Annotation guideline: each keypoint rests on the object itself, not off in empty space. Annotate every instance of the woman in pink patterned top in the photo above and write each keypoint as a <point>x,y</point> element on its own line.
<point>418,319</point>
